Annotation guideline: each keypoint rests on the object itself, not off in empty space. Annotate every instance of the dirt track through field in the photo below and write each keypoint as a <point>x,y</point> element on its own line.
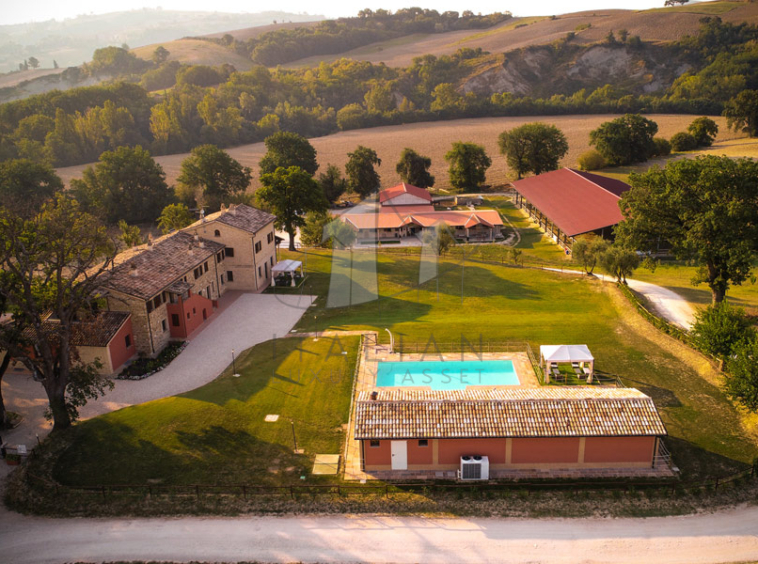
<point>432,139</point>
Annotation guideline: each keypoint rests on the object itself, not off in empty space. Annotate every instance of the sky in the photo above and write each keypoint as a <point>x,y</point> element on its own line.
<point>41,10</point>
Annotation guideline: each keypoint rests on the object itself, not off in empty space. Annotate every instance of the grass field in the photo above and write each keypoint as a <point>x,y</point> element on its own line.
<point>432,139</point>
<point>197,52</point>
<point>217,433</point>
<point>709,8</point>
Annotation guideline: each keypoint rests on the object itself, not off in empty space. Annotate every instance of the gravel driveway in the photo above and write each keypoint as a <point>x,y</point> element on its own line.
<point>244,320</point>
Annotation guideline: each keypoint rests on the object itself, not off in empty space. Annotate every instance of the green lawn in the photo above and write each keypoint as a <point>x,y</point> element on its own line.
<point>514,304</point>
<point>217,433</point>
<point>677,278</point>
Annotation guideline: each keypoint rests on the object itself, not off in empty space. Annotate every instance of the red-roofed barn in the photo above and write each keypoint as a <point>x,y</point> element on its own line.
<point>567,203</point>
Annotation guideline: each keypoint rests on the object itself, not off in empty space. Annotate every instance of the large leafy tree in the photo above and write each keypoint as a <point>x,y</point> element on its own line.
<point>742,112</point>
<point>719,328</point>
<point>290,193</point>
<point>126,184</point>
<point>362,177</point>
<point>175,217</point>
<point>286,149</point>
<point>705,209</point>
<point>704,130</point>
<point>414,169</point>
<point>332,183</point>
<point>213,176</point>
<point>468,165</point>
<point>25,185</point>
<point>533,147</point>
<point>53,264</point>
<point>625,140</point>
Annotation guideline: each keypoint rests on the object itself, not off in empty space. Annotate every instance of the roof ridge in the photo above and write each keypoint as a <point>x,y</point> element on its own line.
<point>592,181</point>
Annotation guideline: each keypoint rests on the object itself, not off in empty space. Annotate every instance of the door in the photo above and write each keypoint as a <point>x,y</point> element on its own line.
<point>399,455</point>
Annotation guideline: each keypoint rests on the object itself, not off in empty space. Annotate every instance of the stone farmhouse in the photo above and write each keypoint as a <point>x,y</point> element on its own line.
<point>171,286</point>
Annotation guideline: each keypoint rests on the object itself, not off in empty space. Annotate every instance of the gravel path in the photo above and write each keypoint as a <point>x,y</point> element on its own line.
<point>244,320</point>
<point>729,536</point>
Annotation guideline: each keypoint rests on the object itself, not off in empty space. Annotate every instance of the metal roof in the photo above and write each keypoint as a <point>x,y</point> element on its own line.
<point>577,202</point>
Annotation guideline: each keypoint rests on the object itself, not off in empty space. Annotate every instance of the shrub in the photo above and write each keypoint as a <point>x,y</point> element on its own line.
<point>591,160</point>
<point>662,147</point>
<point>683,141</point>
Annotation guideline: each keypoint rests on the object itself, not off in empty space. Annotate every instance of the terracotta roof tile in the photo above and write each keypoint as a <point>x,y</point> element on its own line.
<point>525,412</point>
<point>404,188</point>
<point>97,332</point>
<point>145,271</point>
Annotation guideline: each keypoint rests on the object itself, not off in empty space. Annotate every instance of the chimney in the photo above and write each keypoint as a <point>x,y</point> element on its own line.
<point>202,215</point>
<point>150,242</point>
<point>374,395</point>
<point>133,272</point>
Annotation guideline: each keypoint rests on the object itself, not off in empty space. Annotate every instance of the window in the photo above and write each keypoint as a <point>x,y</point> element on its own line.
<point>205,266</point>
<point>269,238</point>
<point>229,252</point>
<point>175,319</point>
<point>164,325</point>
<point>208,292</point>
<point>157,302</point>
<point>423,443</point>
<point>217,233</point>
<point>220,256</point>
<point>149,306</point>
<point>128,341</point>
<point>271,261</point>
<point>259,272</point>
<point>194,311</point>
<point>230,276</point>
<point>198,272</point>
<point>188,315</point>
<point>222,279</point>
<point>258,247</point>
<point>374,443</point>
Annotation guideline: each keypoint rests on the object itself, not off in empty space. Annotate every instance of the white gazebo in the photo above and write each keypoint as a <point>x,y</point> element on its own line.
<point>287,267</point>
<point>575,354</point>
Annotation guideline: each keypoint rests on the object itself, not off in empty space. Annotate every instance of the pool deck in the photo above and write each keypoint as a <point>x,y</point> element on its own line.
<point>371,354</point>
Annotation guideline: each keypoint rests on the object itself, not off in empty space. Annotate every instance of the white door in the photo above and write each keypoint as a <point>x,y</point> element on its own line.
<point>400,455</point>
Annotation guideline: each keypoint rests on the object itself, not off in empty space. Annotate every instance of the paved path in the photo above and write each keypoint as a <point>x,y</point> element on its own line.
<point>730,536</point>
<point>668,304</point>
<point>244,320</point>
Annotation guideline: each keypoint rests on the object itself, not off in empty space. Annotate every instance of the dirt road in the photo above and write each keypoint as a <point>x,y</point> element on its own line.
<point>729,536</point>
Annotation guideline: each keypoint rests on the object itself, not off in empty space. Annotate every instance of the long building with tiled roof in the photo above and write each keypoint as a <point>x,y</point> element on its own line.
<point>511,428</point>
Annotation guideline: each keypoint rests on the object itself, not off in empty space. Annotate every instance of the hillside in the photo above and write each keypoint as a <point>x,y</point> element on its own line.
<point>197,52</point>
<point>659,25</point>
<point>432,140</point>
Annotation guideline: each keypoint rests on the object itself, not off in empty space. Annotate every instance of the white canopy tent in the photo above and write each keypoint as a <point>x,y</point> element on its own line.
<point>575,354</point>
<point>287,267</point>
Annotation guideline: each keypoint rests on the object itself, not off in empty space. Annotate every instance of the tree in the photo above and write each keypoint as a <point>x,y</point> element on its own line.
<point>741,112</point>
<point>705,209</point>
<point>323,230</point>
<point>362,177</point>
<point>130,234</point>
<point>290,193</point>
<point>55,64</point>
<point>338,234</point>
<point>439,239</point>
<point>588,251</point>
<point>26,185</point>
<point>662,147</point>
<point>619,262</point>
<point>675,2</point>
<point>53,263</point>
<point>213,176</point>
<point>160,55</point>
<point>719,328</point>
<point>285,149</point>
<point>414,169</point>
<point>533,147</point>
<point>742,374</point>
<point>625,140</point>
<point>704,130</point>
<point>591,160</point>
<point>332,184</point>
<point>125,184</point>
<point>33,62</point>
<point>175,217</point>
<point>468,165</point>
<point>683,141</point>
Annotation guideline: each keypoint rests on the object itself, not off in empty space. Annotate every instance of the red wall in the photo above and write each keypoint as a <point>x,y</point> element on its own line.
<point>619,449</point>
<point>451,450</point>
<point>117,348</point>
<point>418,454</point>
<point>376,456</point>
<point>184,307</point>
<point>545,450</point>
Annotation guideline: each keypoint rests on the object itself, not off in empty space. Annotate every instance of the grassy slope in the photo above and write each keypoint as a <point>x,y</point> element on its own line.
<point>216,434</point>
<point>197,52</point>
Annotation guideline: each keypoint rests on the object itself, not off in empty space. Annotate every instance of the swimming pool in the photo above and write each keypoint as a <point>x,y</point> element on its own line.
<point>446,375</point>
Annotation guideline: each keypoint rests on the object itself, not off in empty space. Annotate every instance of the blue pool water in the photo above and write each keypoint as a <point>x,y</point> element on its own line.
<point>447,375</point>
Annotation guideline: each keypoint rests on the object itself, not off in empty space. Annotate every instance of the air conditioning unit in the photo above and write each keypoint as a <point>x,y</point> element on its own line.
<point>474,468</point>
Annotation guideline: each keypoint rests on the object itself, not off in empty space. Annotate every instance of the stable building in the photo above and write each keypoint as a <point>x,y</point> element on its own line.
<point>489,433</point>
<point>567,203</point>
